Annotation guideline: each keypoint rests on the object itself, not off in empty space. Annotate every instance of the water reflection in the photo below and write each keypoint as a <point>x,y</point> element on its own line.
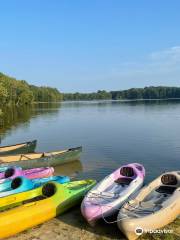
<point>112,133</point>
<point>72,169</point>
<point>14,117</point>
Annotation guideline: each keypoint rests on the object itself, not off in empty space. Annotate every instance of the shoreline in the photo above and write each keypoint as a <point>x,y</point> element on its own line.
<point>94,100</point>
<point>113,100</point>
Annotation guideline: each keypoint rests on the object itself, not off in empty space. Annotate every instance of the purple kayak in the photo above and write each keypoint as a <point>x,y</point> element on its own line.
<point>112,192</point>
<point>12,172</point>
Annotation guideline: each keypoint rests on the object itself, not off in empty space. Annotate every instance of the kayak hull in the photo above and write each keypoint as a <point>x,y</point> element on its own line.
<point>150,211</point>
<point>107,197</point>
<point>12,172</point>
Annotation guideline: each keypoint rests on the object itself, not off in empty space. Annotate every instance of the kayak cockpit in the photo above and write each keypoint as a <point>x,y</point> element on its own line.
<point>156,197</point>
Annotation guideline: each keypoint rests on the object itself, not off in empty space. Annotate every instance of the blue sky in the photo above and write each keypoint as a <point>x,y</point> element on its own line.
<point>89,45</point>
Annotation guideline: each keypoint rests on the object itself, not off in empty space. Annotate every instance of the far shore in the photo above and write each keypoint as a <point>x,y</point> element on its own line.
<point>113,100</point>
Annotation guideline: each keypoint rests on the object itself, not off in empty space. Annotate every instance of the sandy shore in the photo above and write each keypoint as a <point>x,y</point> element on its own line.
<point>71,226</point>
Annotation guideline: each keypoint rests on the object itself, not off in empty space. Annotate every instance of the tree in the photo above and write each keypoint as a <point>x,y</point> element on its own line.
<point>3,94</point>
<point>18,92</point>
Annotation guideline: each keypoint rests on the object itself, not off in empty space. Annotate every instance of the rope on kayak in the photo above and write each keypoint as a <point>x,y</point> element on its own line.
<point>112,222</point>
<point>123,218</point>
<point>25,156</point>
<point>137,207</point>
<point>117,209</point>
<point>103,195</point>
<point>107,198</point>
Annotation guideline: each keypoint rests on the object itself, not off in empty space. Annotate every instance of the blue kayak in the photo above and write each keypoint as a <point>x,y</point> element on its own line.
<point>3,169</point>
<point>22,184</point>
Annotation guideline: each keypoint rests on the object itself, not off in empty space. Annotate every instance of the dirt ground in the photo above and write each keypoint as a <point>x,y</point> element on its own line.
<point>72,226</point>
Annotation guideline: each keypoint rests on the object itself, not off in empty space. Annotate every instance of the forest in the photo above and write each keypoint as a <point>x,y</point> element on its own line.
<point>19,92</point>
<point>161,92</point>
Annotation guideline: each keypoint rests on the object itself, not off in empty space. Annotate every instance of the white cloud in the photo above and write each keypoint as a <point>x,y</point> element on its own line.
<point>157,68</point>
<point>171,54</point>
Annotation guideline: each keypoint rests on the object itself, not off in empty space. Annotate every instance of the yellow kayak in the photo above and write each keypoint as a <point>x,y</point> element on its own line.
<point>39,205</point>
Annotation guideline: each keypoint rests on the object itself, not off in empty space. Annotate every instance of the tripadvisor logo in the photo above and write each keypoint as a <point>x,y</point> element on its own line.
<point>139,231</point>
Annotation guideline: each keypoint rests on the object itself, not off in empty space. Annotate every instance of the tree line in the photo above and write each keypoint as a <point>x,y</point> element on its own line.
<point>99,95</point>
<point>133,93</point>
<point>19,92</point>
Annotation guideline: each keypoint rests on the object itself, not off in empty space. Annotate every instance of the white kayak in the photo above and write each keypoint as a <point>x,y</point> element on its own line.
<point>109,195</point>
<point>156,205</point>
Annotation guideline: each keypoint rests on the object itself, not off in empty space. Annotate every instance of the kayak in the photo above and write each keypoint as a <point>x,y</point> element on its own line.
<point>12,172</point>
<point>22,184</point>
<point>2,169</point>
<point>20,148</point>
<point>111,193</point>
<point>43,159</point>
<point>51,200</point>
<point>156,205</point>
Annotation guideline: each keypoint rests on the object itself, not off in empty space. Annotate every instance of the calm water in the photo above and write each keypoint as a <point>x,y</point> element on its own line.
<point>111,133</point>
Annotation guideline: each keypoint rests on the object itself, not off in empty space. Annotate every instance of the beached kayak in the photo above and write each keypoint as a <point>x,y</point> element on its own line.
<point>12,172</point>
<point>22,184</point>
<point>46,159</point>
<point>54,199</point>
<point>20,148</point>
<point>111,193</point>
<point>156,205</point>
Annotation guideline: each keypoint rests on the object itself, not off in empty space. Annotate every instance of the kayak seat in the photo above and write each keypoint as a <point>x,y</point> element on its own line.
<point>49,190</point>
<point>123,181</point>
<point>16,183</point>
<point>9,172</point>
<point>169,179</point>
<point>166,189</point>
<point>127,171</point>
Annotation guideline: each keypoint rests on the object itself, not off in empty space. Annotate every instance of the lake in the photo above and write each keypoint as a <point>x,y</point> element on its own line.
<point>112,133</point>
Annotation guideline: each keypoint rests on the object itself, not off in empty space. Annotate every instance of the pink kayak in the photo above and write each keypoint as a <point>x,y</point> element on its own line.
<point>112,192</point>
<point>12,172</point>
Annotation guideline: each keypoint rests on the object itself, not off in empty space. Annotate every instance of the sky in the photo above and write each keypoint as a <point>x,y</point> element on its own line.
<point>90,45</point>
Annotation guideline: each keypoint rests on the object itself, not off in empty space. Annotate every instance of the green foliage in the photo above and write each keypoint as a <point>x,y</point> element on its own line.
<point>87,96</point>
<point>17,92</point>
<point>3,93</point>
<point>147,93</point>
<point>46,94</point>
<point>133,93</point>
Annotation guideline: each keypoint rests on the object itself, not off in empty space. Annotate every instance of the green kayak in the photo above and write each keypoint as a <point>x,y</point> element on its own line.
<point>39,205</point>
<point>74,189</point>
